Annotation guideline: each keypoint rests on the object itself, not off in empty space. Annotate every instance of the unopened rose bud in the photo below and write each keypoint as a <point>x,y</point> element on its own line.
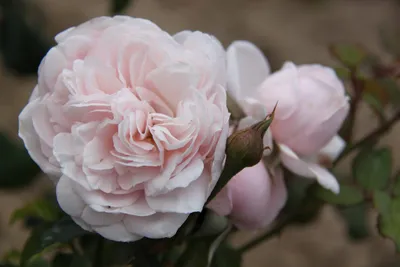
<point>244,149</point>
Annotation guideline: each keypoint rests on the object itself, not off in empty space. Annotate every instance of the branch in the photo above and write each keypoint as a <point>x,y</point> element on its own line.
<point>370,138</point>
<point>354,103</point>
<point>277,229</point>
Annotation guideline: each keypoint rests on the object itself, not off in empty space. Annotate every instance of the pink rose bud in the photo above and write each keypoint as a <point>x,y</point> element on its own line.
<point>131,123</point>
<point>312,106</point>
<point>252,199</point>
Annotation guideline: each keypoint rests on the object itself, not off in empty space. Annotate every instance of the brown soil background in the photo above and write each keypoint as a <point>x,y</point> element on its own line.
<point>288,30</point>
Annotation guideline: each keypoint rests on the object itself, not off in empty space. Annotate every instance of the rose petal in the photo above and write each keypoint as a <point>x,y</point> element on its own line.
<point>68,199</point>
<point>100,198</point>
<point>139,208</point>
<point>183,200</point>
<point>250,191</point>
<point>222,203</point>
<point>293,162</point>
<point>189,174</point>
<point>247,68</point>
<point>159,225</point>
<point>278,197</point>
<point>181,37</point>
<point>117,232</point>
<point>219,157</point>
<point>308,169</point>
<point>95,218</point>
<point>325,178</point>
<point>274,92</point>
<point>32,141</point>
<point>173,80</point>
<point>333,149</point>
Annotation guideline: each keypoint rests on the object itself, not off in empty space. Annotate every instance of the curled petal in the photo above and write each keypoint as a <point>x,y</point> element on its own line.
<point>308,169</point>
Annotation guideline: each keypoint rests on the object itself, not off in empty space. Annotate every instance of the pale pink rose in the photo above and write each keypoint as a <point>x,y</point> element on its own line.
<point>252,199</point>
<point>312,105</point>
<point>131,123</point>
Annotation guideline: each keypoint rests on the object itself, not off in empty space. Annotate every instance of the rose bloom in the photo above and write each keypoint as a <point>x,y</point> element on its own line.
<point>131,123</point>
<point>312,106</point>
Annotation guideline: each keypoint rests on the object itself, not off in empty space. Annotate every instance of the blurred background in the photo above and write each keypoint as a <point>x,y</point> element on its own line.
<point>295,30</point>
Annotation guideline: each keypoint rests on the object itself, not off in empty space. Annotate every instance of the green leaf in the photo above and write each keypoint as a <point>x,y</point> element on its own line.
<point>62,260</point>
<point>297,188</point>
<point>342,73</point>
<point>38,262</point>
<point>349,55</point>
<point>60,232</point>
<point>396,187</point>
<point>356,221</point>
<point>200,252</point>
<point>226,256</point>
<point>348,195</point>
<point>41,208</point>
<point>118,6</point>
<point>372,168</point>
<point>382,202</point>
<point>392,89</point>
<point>373,102</point>
<point>12,256</point>
<point>80,261</point>
<point>389,223</point>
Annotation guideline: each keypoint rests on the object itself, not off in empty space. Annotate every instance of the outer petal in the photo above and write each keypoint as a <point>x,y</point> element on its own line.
<point>32,141</point>
<point>260,211</point>
<point>278,196</point>
<point>312,139</point>
<point>159,225</point>
<point>333,148</point>
<point>68,200</point>
<point>308,169</point>
<point>117,232</point>
<point>251,192</point>
<point>181,37</point>
<point>247,68</point>
<point>219,156</point>
<point>280,88</point>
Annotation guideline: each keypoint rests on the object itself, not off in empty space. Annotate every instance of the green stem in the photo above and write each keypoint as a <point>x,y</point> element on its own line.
<point>277,229</point>
<point>373,136</point>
